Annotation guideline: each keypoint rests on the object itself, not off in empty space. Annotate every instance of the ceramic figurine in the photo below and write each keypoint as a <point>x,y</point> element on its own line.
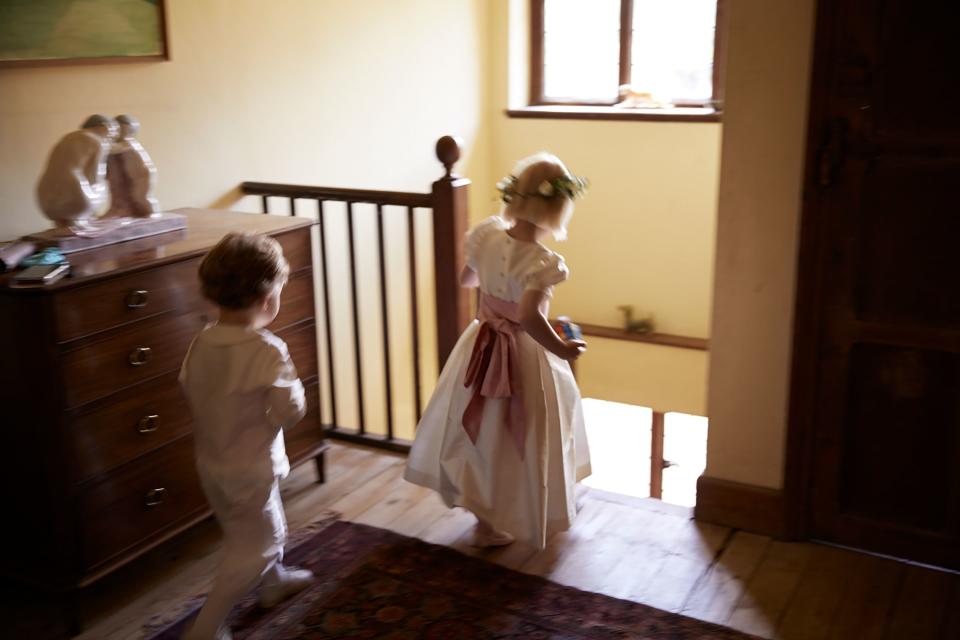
<point>643,325</point>
<point>131,174</point>
<point>73,189</point>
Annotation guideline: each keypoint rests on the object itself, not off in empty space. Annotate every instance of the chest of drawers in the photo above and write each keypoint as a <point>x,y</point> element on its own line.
<point>98,458</point>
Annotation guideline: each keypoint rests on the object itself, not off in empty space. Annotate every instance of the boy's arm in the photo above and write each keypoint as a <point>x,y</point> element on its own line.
<point>182,376</point>
<point>286,401</point>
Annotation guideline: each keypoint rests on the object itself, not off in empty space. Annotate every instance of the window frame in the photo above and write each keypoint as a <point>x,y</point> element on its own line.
<point>537,98</point>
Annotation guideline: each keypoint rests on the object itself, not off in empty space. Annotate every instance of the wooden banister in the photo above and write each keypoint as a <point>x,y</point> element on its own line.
<point>448,200</point>
<point>662,339</point>
<point>450,219</point>
<point>336,194</point>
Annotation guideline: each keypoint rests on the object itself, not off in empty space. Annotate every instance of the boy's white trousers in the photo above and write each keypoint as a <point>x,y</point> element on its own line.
<point>254,532</point>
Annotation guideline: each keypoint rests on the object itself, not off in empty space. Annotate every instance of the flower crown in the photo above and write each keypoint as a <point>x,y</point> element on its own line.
<point>565,186</point>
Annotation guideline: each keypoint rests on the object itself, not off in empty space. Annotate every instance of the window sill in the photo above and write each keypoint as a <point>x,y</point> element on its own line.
<point>570,112</point>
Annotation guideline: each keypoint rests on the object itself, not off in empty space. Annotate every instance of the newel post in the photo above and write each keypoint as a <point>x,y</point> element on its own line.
<point>450,220</point>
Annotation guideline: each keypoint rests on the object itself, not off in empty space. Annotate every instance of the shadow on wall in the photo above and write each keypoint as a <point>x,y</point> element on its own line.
<point>228,199</point>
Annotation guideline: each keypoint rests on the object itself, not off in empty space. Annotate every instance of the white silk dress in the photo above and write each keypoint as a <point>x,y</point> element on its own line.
<point>503,434</point>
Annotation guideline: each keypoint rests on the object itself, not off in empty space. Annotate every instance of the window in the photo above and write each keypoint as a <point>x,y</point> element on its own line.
<point>583,51</point>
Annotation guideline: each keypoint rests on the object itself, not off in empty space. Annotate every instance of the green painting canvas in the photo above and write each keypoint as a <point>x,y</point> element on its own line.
<point>61,30</point>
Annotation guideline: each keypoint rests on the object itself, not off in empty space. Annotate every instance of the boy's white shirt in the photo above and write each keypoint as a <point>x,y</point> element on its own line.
<point>243,391</point>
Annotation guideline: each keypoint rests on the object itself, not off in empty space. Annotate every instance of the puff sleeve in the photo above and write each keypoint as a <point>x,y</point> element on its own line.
<point>473,244</point>
<point>551,270</point>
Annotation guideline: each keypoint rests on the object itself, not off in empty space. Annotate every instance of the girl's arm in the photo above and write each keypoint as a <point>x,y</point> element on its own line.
<point>469,278</point>
<point>534,321</point>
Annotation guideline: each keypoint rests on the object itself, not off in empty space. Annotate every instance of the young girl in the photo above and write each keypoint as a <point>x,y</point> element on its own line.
<point>503,435</point>
<point>243,391</point>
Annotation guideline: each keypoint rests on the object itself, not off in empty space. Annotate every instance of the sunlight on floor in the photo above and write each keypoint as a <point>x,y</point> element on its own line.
<point>619,437</point>
<point>685,445</point>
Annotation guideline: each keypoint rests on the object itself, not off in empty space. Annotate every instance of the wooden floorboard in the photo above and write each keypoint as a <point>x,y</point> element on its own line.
<point>639,549</point>
<point>770,588</point>
<point>869,599</point>
<point>695,548</point>
<point>716,595</point>
<point>421,516</point>
<point>811,611</point>
<point>579,557</point>
<point>951,622</point>
<point>921,608</point>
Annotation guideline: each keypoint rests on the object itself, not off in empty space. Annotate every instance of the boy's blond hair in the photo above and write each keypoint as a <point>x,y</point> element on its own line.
<point>242,269</point>
<point>551,213</point>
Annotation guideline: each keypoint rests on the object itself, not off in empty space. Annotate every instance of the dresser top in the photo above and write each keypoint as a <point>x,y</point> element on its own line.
<point>205,227</point>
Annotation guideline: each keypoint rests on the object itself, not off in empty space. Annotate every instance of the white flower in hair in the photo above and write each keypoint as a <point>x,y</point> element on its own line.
<point>546,189</point>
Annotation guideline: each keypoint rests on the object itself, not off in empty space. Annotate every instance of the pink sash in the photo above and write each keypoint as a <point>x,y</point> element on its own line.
<point>494,369</point>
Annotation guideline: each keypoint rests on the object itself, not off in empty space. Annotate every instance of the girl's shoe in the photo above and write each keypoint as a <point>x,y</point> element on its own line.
<point>492,538</point>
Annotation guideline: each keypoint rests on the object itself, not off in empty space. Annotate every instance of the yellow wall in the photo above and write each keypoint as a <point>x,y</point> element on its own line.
<point>643,236</point>
<point>304,91</point>
<point>354,94</point>
<point>662,378</point>
<point>768,67</point>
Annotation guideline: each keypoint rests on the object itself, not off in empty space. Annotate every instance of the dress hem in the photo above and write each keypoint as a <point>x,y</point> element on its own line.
<point>450,500</point>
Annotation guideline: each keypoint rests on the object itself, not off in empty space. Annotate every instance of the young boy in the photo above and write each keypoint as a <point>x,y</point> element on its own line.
<point>243,391</point>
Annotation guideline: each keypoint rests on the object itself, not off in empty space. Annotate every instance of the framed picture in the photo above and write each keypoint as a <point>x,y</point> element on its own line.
<point>56,32</point>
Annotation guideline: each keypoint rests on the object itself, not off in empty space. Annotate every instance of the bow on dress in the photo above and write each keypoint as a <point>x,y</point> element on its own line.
<point>494,369</point>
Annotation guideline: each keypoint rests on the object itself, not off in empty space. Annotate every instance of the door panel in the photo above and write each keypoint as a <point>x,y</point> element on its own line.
<point>907,232</point>
<point>884,232</point>
<point>902,407</point>
<point>915,65</point>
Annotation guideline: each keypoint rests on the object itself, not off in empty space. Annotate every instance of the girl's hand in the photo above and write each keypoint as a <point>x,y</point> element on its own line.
<point>573,349</point>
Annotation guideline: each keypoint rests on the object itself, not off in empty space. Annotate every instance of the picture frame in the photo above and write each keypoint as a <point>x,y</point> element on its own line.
<point>72,32</point>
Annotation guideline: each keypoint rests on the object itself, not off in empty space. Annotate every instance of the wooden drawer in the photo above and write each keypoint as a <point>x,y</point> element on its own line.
<point>139,501</point>
<point>87,310</point>
<point>306,437</point>
<point>130,424</point>
<point>296,248</point>
<point>296,301</point>
<point>136,353</point>
<point>104,305</point>
<point>301,341</point>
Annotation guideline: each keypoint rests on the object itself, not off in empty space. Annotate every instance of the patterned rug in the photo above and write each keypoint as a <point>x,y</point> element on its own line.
<point>374,583</point>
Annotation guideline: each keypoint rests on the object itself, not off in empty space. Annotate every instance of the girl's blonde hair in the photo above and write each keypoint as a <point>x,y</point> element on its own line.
<point>552,212</point>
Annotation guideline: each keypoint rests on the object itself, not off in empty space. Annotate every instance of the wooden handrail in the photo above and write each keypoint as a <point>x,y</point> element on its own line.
<point>662,339</point>
<point>448,202</point>
<point>336,194</point>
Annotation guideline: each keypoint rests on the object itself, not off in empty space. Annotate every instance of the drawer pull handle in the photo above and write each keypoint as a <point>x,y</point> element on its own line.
<point>155,496</point>
<point>137,299</point>
<point>139,356</point>
<point>148,424</point>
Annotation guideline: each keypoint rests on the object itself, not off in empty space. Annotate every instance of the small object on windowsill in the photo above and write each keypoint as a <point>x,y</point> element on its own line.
<point>631,98</point>
<point>630,325</point>
<point>13,254</point>
<point>565,328</point>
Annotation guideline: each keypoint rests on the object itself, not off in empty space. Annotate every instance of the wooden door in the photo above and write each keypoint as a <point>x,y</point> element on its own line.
<point>877,353</point>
